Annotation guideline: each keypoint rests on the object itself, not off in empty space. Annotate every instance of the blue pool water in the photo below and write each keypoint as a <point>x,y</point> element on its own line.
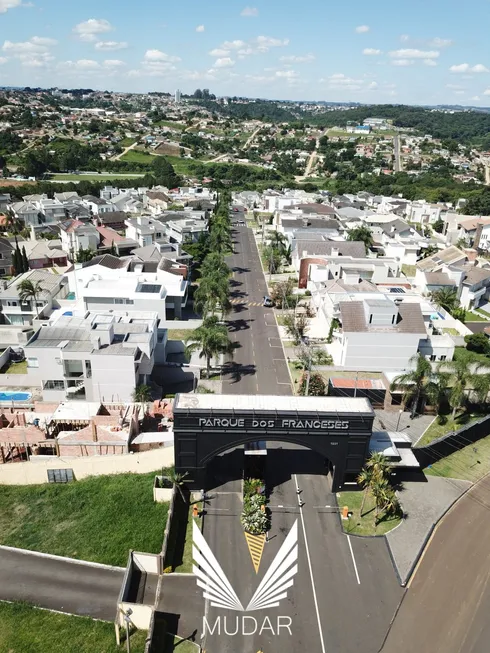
<point>15,396</point>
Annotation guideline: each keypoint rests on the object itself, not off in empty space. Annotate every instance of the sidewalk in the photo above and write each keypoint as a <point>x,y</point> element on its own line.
<point>424,504</point>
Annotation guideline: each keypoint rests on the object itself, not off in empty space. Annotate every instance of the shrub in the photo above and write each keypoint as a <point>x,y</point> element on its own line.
<point>316,388</point>
<point>477,342</point>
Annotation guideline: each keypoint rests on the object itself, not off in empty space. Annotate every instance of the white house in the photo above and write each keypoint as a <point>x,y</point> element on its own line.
<point>145,231</point>
<point>95,356</point>
<point>17,311</point>
<point>379,335</point>
<point>76,235</point>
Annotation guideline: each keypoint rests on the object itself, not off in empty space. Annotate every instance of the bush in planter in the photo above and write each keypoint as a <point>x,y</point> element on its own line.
<point>252,486</point>
<point>254,521</point>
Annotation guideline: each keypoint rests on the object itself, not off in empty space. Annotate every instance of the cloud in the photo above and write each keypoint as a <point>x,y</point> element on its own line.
<point>466,68</point>
<point>88,30</point>
<point>287,74</point>
<point>412,53</point>
<point>219,52</point>
<point>259,45</point>
<point>487,92</point>
<point>224,62</point>
<point>455,87</point>
<point>341,81</point>
<point>159,56</point>
<point>111,45</point>
<point>429,62</point>
<point>3,60</point>
<point>371,52</point>
<point>402,62</point>
<point>200,28</point>
<point>298,59</point>
<point>5,5</point>
<point>362,29</point>
<point>404,38</point>
<point>476,98</point>
<point>114,63</point>
<point>91,67</point>
<point>250,12</point>
<point>32,53</point>
<point>437,42</point>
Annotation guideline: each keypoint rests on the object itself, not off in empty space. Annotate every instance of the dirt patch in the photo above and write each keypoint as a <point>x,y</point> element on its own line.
<point>168,148</point>
<point>16,182</point>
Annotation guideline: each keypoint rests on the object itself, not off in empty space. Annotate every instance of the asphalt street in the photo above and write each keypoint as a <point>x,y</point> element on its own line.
<point>58,584</point>
<point>259,366</point>
<point>345,592</point>
<point>447,604</point>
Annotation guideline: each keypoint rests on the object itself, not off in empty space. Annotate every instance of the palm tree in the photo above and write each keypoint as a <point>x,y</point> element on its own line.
<point>362,233</point>
<point>365,480</point>
<point>30,290</point>
<point>142,395</point>
<point>220,240</point>
<point>462,375</point>
<point>446,298</point>
<point>418,384</point>
<point>378,465</point>
<point>214,265</point>
<point>13,223</point>
<point>212,295</point>
<point>210,339</point>
<point>277,240</point>
<point>177,479</point>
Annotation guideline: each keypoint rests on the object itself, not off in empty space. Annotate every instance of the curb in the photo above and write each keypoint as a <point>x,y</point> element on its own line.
<point>50,556</point>
<point>66,614</point>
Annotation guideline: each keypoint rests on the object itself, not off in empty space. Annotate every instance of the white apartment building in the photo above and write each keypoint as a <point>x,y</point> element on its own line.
<point>97,356</point>
<point>425,213</point>
<point>185,230</point>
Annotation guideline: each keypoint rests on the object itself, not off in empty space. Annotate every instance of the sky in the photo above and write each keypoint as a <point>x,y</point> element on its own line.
<point>417,52</point>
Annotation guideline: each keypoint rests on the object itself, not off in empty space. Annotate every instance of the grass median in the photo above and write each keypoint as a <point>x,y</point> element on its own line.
<point>26,629</point>
<point>469,464</point>
<point>97,519</point>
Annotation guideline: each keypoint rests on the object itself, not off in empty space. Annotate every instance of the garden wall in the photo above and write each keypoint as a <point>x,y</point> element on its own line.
<point>452,442</point>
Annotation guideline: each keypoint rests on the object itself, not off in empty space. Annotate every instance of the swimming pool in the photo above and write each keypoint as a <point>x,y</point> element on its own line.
<point>15,396</point>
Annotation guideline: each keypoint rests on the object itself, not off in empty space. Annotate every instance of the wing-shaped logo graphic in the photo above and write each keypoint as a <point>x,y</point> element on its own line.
<point>279,576</point>
<point>210,576</point>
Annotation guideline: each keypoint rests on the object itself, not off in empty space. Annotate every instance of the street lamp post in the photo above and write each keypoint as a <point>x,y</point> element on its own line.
<point>399,417</point>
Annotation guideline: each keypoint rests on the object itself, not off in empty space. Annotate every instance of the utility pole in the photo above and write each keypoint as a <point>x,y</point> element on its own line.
<point>355,387</point>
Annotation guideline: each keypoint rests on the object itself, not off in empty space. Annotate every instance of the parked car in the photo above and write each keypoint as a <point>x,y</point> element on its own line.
<point>268,301</point>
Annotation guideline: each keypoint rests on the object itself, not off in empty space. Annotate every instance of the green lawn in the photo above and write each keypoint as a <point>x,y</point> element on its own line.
<point>104,176</point>
<point>438,429</point>
<point>483,313</point>
<point>98,518</point>
<point>461,352</point>
<point>126,142</point>
<point>135,156</point>
<point>466,464</point>
<point>364,525</point>
<point>179,334</point>
<point>171,125</point>
<point>450,331</point>
<point>475,317</point>
<point>15,368</point>
<point>180,645</point>
<point>326,374</point>
<point>409,270</point>
<point>26,629</point>
<point>186,566</point>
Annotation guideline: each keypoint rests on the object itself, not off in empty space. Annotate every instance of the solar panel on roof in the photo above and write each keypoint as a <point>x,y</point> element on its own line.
<point>150,287</point>
<point>397,290</point>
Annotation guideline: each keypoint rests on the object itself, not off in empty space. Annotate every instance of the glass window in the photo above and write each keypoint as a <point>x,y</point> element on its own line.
<point>118,300</point>
<point>54,385</point>
<point>32,362</point>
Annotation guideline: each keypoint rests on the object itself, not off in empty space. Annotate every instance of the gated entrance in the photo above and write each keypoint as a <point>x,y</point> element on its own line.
<point>337,428</point>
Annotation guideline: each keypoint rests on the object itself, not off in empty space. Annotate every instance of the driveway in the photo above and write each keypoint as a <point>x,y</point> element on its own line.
<point>58,584</point>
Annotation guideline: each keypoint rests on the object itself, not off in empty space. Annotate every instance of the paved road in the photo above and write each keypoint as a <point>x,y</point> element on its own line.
<point>59,584</point>
<point>396,152</point>
<point>447,605</point>
<point>259,365</point>
<point>343,599</point>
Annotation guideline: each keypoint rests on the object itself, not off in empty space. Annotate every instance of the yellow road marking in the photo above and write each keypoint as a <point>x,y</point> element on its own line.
<point>255,545</point>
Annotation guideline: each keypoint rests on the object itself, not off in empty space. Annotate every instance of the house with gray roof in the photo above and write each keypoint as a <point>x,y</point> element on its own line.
<point>96,356</point>
<point>18,311</point>
<point>379,334</point>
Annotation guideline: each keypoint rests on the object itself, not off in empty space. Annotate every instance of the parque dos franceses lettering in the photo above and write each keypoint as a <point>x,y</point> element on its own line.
<point>232,422</point>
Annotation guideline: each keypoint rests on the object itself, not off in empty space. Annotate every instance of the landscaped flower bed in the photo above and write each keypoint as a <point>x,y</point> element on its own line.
<point>254,517</point>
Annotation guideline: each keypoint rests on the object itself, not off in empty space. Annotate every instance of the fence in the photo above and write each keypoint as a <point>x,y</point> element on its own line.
<point>452,442</point>
<point>35,471</point>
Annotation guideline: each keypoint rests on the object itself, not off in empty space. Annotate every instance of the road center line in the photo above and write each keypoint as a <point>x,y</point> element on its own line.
<point>353,560</point>
<point>300,503</point>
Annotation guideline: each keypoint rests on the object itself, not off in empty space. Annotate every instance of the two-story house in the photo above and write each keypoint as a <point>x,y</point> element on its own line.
<point>77,235</point>
<point>19,311</point>
<point>98,356</point>
<point>145,231</point>
<point>6,250</point>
